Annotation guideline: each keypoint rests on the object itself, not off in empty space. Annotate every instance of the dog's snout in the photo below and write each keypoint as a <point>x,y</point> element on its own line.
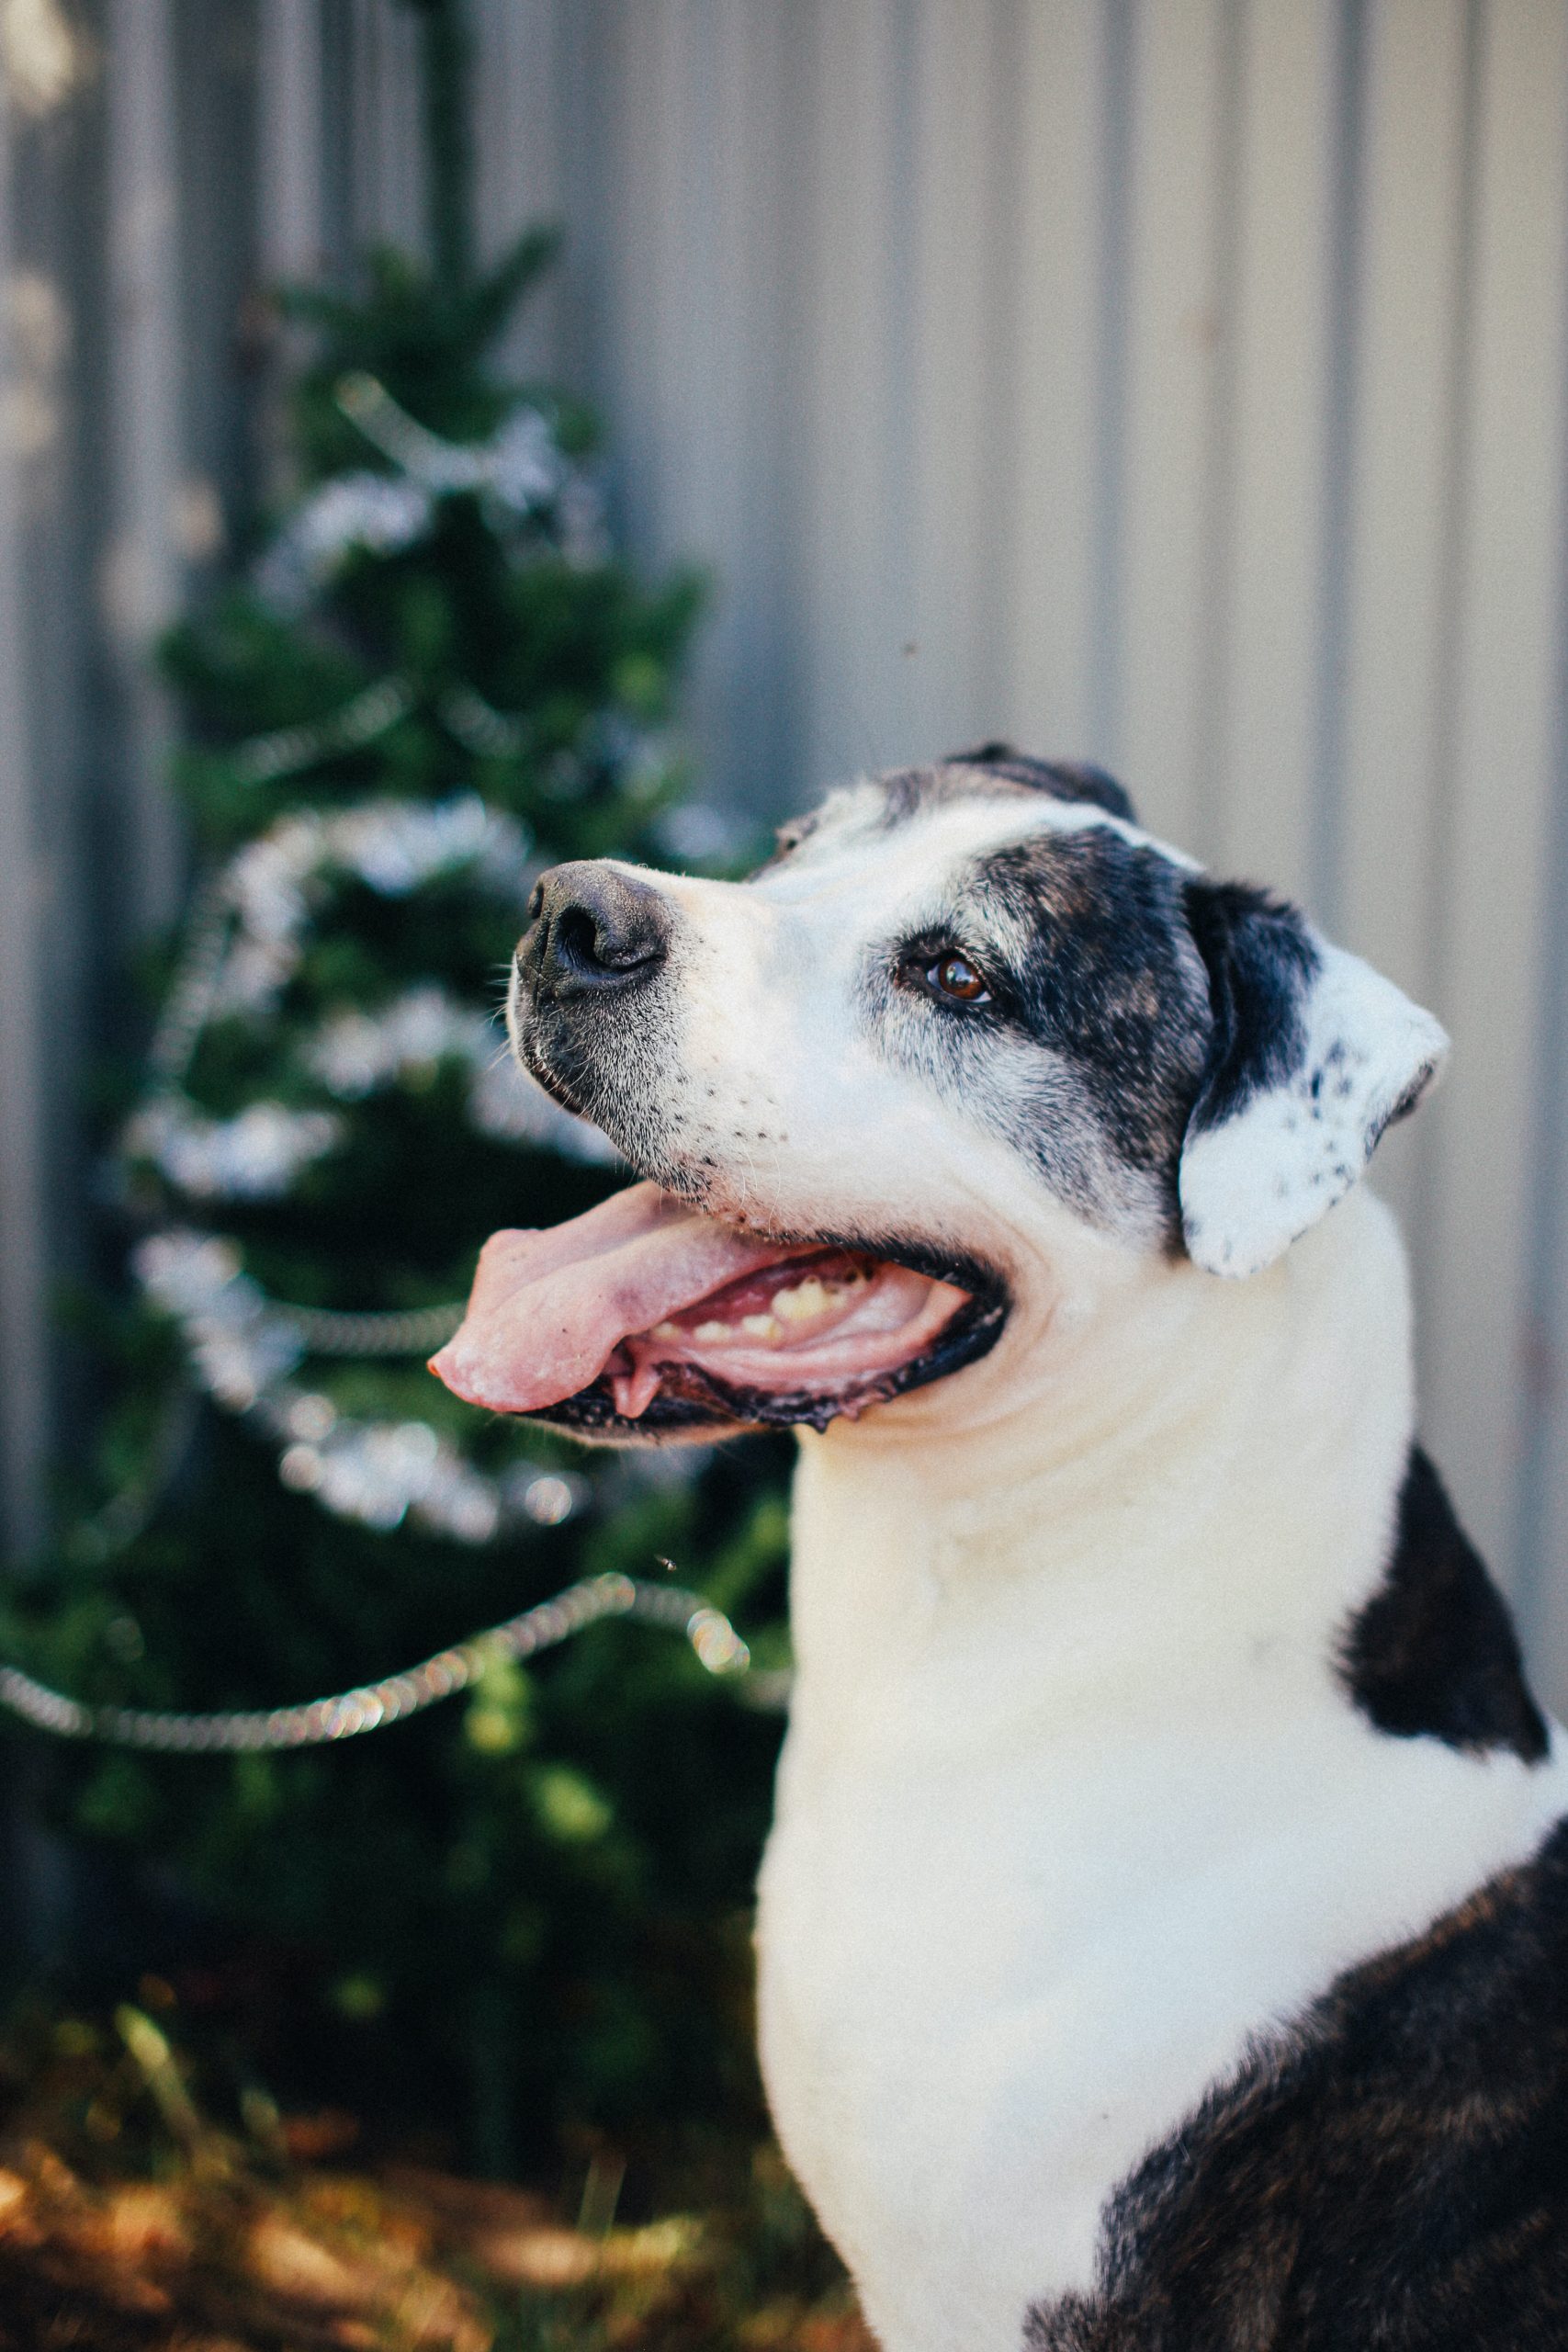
<point>593,929</point>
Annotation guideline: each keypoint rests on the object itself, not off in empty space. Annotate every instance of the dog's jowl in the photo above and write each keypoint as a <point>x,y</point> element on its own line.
<point>1163,1937</point>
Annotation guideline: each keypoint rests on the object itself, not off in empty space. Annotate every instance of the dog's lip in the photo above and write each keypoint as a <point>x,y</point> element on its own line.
<point>614,1301</point>
<point>693,1407</point>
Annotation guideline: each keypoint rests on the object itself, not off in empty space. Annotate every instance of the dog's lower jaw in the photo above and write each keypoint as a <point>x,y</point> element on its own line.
<point>1072,1803</point>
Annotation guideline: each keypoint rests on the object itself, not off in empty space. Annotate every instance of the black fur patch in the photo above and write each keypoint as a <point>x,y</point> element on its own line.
<point>1391,2177</point>
<point>1260,964</point>
<point>1082,938</point>
<point>1062,779</point>
<point>1433,1653</point>
<point>1104,982</point>
<point>995,769</point>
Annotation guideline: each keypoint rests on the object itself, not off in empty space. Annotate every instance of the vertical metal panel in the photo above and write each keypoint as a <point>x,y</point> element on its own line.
<point>1403,585</point>
<point>765,67</point>
<point>1508,680</point>
<point>291,197</point>
<point>1342,325</point>
<point>142,567</point>
<point>742,366</point>
<point>964,291</point>
<point>857,416</point>
<point>1182,207</point>
<point>520,83</point>
<point>291,230</point>
<point>385,182</point>
<point>699,348</point>
<point>24,1389</point>
<point>1053,697</point>
<point>1265,726</point>
<point>641,321</point>
<point>217,281</point>
<point>64,865</point>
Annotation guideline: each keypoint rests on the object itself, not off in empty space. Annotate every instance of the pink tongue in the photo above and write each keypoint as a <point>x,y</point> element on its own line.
<point>548,1309</point>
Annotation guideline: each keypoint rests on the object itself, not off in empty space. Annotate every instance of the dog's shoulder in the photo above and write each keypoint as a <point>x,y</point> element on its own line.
<point>1392,2171</point>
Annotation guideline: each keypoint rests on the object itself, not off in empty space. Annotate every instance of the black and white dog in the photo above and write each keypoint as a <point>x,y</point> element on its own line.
<point>1164,1933</point>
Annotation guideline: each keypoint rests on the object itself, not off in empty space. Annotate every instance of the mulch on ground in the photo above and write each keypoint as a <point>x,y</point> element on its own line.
<point>129,2223</point>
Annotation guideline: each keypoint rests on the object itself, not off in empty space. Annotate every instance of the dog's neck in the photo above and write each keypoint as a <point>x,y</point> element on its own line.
<point>1195,1468</point>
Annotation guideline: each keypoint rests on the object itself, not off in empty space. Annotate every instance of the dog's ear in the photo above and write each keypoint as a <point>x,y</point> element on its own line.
<point>1311,1054</point>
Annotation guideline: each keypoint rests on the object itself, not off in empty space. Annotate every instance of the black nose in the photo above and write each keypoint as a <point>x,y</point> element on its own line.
<point>592,928</point>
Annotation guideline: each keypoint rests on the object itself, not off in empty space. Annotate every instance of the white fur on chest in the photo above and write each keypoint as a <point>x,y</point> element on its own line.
<point>1072,1804</point>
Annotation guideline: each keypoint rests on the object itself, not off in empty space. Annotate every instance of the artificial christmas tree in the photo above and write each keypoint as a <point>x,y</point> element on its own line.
<point>435,679</point>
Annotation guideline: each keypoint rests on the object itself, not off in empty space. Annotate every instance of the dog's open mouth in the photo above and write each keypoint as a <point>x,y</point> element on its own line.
<point>648,1316</point>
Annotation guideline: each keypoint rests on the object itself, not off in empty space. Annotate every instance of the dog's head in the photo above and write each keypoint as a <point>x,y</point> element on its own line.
<point>968,1033</point>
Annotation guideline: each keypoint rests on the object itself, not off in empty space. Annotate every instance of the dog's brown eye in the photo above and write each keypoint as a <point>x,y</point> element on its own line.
<point>956,976</point>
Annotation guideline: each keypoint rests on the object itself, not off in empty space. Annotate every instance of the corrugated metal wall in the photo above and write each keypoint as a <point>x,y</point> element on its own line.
<point>1176,382</point>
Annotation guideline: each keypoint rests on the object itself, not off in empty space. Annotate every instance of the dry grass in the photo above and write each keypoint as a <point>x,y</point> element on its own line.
<point>129,2223</point>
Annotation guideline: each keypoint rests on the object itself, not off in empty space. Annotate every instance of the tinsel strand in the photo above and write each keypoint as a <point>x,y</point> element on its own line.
<point>372,1706</point>
<point>188,1005</point>
<point>329,1331</point>
<point>265,759</point>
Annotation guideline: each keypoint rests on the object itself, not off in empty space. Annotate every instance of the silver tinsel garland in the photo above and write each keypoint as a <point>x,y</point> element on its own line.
<point>520,474</point>
<point>247,940</point>
<point>254,1156</point>
<point>246,1350</point>
<point>245,947</point>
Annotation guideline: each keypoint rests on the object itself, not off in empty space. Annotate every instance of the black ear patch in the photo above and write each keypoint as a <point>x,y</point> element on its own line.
<point>1260,962</point>
<point>1311,1054</point>
<point>1062,779</point>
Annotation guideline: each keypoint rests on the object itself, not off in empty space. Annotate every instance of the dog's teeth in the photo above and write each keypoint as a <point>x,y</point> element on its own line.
<point>802,1302</point>
<point>807,1299</point>
<point>666,1331</point>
